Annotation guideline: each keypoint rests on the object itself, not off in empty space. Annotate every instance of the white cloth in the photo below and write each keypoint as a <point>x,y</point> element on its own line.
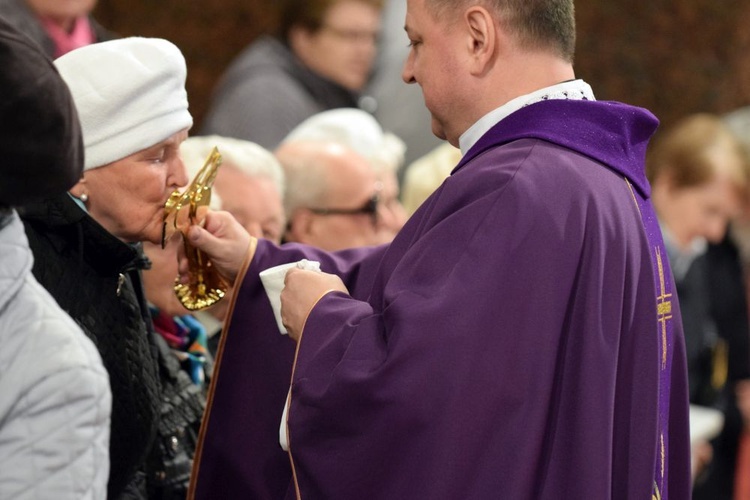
<point>130,94</point>
<point>573,90</point>
<point>273,282</point>
<point>55,401</point>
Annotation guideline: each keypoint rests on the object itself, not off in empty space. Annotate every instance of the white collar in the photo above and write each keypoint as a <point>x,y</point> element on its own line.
<point>574,90</point>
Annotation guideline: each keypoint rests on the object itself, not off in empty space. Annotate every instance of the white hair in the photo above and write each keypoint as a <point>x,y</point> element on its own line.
<point>307,174</point>
<point>247,157</point>
<point>357,130</point>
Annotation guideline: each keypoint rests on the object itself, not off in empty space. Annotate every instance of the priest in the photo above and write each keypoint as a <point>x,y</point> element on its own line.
<point>519,338</point>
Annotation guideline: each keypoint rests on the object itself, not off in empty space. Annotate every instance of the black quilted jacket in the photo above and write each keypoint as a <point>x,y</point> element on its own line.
<point>95,278</point>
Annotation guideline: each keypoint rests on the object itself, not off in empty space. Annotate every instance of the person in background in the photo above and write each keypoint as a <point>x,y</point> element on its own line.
<point>249,183</point>
<point>185,369</point>
<point>55,401</point>
<point>332,196</point>
<point>183,334</point>
<point>131,100</point>
<point>57,26</point>
<point>699,177</point>
<point>359,131</point>
<point>739,122</point>
<point>321,60</point>
<point>518,339</point>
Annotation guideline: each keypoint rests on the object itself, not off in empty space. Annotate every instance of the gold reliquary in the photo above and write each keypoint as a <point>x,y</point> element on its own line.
<point>205,287</point>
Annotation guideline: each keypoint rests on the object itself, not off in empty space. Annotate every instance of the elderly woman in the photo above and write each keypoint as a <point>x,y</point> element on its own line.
<point>699,178</point>
<point>54,392</point>
<point>131,100</point>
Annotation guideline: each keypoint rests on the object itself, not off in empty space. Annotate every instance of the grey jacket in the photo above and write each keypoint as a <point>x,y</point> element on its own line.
<point>266,92</point>
<point>55,401</point>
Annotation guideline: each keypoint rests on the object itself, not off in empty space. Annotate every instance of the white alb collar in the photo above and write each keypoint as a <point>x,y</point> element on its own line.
<point>573,90</point>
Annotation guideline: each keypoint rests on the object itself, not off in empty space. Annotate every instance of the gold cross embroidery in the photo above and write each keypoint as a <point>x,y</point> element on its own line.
<point>663,308</point>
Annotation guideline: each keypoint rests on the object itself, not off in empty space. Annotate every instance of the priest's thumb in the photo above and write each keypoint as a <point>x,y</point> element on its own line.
<point>195,235</point>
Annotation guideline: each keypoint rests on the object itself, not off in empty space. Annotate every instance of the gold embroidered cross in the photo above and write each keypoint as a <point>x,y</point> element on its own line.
<point>663,308</point>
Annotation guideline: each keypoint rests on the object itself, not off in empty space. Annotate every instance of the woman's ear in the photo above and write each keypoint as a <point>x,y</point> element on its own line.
<point>79,188</point>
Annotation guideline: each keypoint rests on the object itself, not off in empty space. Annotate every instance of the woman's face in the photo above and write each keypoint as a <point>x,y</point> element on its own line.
<point>702,211</point>
<point>127,196</point>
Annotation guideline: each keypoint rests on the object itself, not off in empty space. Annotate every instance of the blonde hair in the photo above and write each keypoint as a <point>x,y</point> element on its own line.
<point>688,153</point>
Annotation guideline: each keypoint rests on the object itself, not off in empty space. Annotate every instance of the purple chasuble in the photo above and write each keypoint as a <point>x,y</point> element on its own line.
<point>518,339</point>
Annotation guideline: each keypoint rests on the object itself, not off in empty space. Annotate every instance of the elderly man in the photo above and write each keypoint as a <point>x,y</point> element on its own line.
<point>332,196</point>
<point>384,151</point>
<point>517,339</point>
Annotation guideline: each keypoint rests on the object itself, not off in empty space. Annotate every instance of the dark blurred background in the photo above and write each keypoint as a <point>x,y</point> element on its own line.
<point>674,57</point>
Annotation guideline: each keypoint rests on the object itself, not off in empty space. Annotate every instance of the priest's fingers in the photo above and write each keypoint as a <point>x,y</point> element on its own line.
<point>224,240</point>
<point>302,290</point>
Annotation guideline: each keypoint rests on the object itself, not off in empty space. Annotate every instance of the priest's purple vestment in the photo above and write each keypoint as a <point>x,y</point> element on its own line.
<point>519,339</point>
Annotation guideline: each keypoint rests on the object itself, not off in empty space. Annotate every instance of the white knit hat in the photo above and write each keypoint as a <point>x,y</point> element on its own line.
<point>129,93</point>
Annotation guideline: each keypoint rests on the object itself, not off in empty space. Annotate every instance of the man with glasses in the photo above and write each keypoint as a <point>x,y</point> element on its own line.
<point>322,60</point>
<point>332,196</point>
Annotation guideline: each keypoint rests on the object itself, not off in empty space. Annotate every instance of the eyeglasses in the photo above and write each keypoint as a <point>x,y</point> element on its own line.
<point>370,208</point>
<point>352,36</point>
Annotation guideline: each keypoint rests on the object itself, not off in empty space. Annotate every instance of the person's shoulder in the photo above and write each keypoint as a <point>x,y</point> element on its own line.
<point>258,87</point>
<point>17,13</point>
<point>13,10</point>
<point>38,327</point>
<point>542,173</point>
<point>53,382</point>
<point>532,157</point>
<point>264,55</point>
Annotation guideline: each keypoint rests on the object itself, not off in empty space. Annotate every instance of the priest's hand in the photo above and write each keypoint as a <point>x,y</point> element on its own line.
<point>225,242</point>
<point>302,290</point>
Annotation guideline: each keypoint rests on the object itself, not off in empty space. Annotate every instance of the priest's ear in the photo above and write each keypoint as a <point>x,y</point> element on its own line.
<point>483,34</point>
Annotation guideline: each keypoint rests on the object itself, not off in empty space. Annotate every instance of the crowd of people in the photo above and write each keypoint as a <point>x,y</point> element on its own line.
<point>531,307</point>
